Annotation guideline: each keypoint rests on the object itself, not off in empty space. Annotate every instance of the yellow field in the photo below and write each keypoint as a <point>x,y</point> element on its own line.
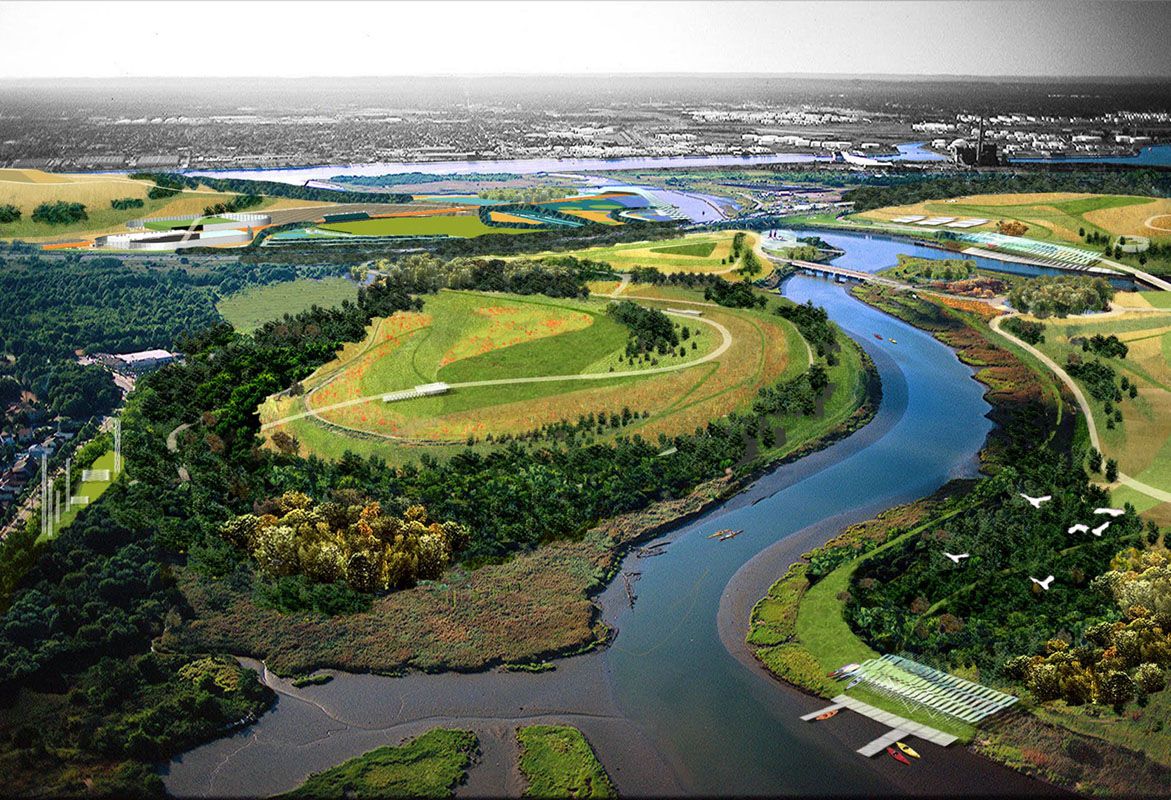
<point>1141,443</point>
<point>1056,216</point>
<point>512,219</point>
<point>664,255</point>
<point>1151,219</point>
<point>602,217</point>
<point>462,336</point>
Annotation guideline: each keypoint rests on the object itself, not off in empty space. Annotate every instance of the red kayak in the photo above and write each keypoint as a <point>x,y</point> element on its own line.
<point>897,756</point>
<point>878,336</point>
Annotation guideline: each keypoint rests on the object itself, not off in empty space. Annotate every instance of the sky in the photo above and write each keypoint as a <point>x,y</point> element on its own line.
<point>1062,38</point>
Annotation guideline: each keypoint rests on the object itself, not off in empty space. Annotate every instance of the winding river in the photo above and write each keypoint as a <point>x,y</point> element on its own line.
<point>676,705</point>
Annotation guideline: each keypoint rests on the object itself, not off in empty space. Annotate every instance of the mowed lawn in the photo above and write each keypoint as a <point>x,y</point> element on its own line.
<point>250,308</point>
<point>466,336</point>
<point>1141,443</point>
<point>1056,216</point>
<point>462,226</point>
<point>698,252</point>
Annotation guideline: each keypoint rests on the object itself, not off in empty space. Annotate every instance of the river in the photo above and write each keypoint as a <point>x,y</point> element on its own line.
<point>676,705</point>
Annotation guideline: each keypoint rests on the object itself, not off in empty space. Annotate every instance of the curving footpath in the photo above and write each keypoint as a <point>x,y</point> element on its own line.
<point>591,376</point>
<point>1087,411</point>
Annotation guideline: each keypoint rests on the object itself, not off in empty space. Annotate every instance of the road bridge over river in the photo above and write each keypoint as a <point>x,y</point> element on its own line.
<point>840,274</point>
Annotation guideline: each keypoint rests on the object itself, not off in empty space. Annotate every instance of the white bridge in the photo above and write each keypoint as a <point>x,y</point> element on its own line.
<point>423,390</point>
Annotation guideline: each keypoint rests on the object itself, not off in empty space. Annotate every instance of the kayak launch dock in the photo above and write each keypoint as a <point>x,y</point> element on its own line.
<point>901,728</point>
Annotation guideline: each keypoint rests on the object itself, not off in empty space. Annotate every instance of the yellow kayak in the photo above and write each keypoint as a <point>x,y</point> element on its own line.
<point>907,749</point>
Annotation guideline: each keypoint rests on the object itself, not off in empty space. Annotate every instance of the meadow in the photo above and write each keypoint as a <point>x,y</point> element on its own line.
<point>430,765</point>
<point>557,761</point>
<point>462,337</point>
<point>463,226</point>
<point>26,189</point>
<point>1053,216</point>
<point>1141,442</point>
<point>247,310</point>
<point>696,252</point>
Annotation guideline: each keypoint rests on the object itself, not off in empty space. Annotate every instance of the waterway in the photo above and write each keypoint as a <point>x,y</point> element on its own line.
<point>1155,155</point>
<point>676,705</point>
<point>864,250</point>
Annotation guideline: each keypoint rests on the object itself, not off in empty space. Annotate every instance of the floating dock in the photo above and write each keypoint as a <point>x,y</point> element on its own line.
<point>901,727</point>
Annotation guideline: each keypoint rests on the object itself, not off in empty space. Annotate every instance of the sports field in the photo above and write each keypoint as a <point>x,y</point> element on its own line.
<point>91,489</point>
<point>1055,216</point>
<point>463,226</point>
<point>1141,442</point>
<point>572,345</point>
<point>247,310</point>
<point>697,252</point>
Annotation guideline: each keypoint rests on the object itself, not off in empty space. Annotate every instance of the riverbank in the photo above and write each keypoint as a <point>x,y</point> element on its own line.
<point>798,631</point>
<point>529,609</point>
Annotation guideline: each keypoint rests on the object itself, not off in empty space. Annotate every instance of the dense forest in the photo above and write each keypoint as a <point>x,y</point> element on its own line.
<point>175,182</point>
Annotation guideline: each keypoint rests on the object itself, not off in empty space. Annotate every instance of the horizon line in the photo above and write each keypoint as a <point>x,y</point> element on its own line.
<point>901,76</point>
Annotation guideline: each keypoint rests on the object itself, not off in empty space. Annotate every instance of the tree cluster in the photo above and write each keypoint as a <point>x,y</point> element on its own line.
<point>59,213</point>
<point>651,331</point>
<point>356,542</point>
<point>1060,296</point>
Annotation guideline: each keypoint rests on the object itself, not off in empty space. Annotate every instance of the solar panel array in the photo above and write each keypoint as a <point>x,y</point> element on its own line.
<point>911,681</point>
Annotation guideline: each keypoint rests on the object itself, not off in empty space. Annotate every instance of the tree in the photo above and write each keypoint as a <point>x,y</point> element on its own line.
<point>1095,460</point>
<point>1111,470</point>
<point>9,213</point>
<point>1116,689</point>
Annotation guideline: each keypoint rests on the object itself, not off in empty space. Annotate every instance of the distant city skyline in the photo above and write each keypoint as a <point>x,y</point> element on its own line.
<point>351,39</point>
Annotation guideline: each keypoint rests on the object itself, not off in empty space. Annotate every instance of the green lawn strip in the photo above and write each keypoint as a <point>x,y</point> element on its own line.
<point>431,765</point>
<point>698,249</point>
<point>557,761</point>
<point>247,310</point>
<point>815,638</point>
<point>1158,299</point>
<point>91,489</point>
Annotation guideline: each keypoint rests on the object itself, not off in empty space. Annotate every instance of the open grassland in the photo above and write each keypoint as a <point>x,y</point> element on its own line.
<point>557,761</point>
<point>1141,442</point>
<point>1056,216</point>
<point>26,189</point>
<point>462,226</point>
<point>431,765</point>
<point>250,308</point>
<point>462,337</point>
<point>696,252</point>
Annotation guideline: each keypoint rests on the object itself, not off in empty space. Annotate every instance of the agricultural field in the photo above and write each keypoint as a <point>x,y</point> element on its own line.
<point>573,350</point>
<point>696,252</point>
<point>462,226</point>
<point>1141,442</point>
<point>247,310</point>
<point>1054,216</point>
<point>26,189</point>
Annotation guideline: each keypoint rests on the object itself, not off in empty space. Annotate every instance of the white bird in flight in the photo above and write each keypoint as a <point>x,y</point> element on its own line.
<point>1036,502</point>
<point>1079,528</point>
<point>1114,512</point>
<point>1098,530</point>
<point>1043,584</point>
<point>957,557</point>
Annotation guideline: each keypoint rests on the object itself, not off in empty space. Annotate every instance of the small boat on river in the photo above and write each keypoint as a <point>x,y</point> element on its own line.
<point>878,336</point>
<point>827,715</point>
<point>892,341</point>
<point>897,756</point>
<point>728,533</point>
<point>906,748</point>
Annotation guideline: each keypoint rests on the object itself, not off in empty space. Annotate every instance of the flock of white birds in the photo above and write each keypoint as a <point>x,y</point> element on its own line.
<point>1037,502</point>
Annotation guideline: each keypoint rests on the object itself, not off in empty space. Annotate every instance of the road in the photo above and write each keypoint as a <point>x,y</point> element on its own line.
<point>1087,411</point>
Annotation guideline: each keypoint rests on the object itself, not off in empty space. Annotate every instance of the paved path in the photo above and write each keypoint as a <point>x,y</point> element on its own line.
<point>589,376</point>
<point>1087,411</point>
